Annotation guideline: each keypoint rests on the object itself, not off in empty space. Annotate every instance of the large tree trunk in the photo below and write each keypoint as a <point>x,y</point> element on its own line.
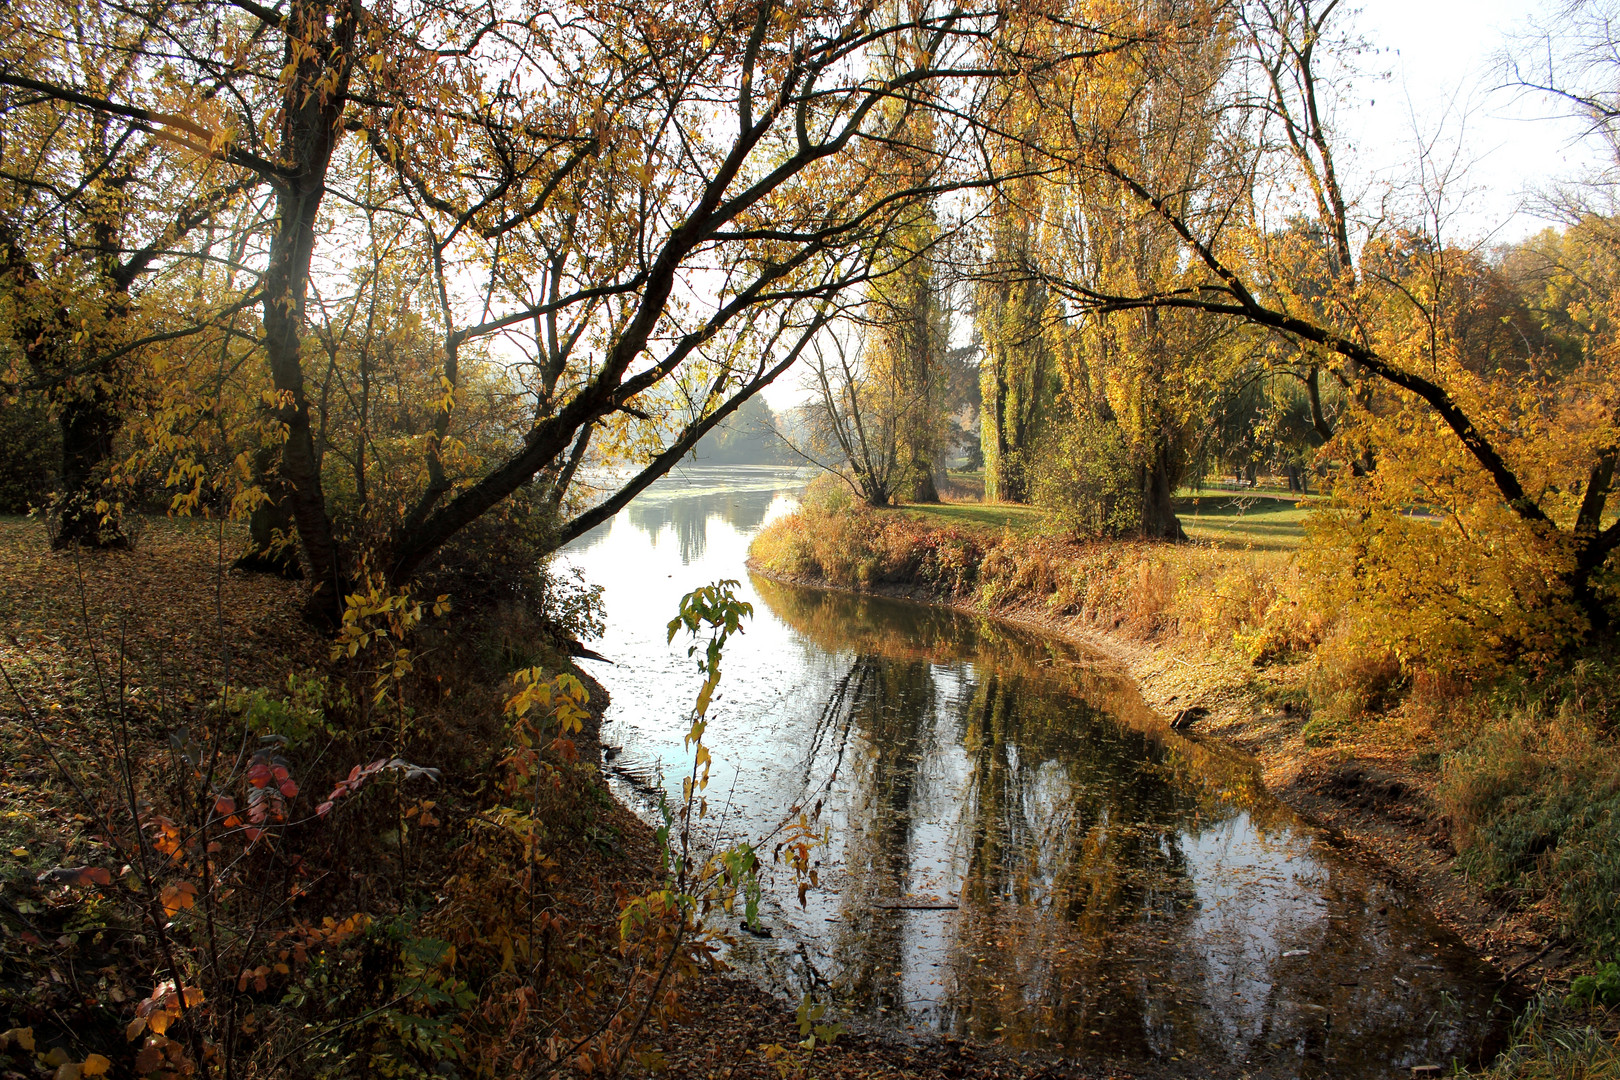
<point>286,278</point>
<point>1159,521</point>
<point>88,420</point>
<point>271,540</point>
<point>1002,436</point>
<point>924,489</point>
<point>310,129</point>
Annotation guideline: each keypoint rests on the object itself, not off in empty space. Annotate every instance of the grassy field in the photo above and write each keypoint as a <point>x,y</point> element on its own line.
<point>994,517</point>
<point>1260,522</point>
<point>1240,522</point>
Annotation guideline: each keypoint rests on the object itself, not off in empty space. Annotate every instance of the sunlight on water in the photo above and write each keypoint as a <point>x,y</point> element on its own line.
<point>1022,852</point>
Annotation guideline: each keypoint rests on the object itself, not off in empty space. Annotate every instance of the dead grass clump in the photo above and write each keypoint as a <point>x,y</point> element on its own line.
<point>1151,602</point>
<point>1146,590</point>
<point>837,540</point>
<point>1236,601</point>
<point>1350,680</point>
<point>1533,794</point>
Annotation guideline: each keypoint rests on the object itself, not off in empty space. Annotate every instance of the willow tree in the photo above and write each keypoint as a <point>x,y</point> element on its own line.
<point>907,337</point>
<point>1013,315</point>
<point>1519,467</point>
<point>1143,377</point>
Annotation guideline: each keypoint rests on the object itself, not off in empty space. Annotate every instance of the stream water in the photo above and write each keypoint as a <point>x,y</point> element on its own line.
<point>1021,851</point>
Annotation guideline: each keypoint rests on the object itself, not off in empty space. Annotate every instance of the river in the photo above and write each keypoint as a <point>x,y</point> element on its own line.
<point>1020,851</point>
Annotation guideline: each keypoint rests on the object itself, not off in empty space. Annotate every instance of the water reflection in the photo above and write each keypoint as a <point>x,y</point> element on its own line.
<point>1022,851</point>
<point>1122,892</point>
<point>685,501</point>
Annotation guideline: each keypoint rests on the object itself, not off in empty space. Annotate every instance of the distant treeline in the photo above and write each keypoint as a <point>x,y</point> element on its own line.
<point>750,436</point>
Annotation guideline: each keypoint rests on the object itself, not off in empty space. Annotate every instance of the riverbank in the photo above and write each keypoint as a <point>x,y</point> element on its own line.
<point>1218,637</point>
<point>458,914</point>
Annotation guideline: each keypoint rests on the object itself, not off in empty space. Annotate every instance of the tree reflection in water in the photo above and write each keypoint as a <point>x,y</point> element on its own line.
<point>688,515</point>
<point>1123,892</point>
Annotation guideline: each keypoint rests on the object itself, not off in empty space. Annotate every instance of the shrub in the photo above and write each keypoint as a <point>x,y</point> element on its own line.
<point>1476,603</point>
<point>1534,800</point>
<point>1083,477</point>
<point>1350,679</point>
<point>1601,988</point>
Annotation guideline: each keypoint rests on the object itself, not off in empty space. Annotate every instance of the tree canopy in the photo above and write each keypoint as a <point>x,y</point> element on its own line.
<point>370,274</point>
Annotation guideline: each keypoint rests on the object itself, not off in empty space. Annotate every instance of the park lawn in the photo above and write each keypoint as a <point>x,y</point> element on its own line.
<point>1257,522</point>
<point>980,517</point>
<point>1252,522</point>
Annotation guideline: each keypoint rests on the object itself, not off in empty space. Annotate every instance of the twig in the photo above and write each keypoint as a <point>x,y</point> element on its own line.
<point>1545,949</point>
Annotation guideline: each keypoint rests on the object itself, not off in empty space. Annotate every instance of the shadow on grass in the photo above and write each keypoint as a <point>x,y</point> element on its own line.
<point>1261,522</point>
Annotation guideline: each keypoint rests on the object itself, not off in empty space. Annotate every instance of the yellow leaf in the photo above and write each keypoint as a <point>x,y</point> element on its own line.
<point>95,1065</point>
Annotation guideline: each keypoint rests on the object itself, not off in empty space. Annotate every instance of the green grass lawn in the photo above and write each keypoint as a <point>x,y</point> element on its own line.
<point>992,516</point>
<point>1260,522</point>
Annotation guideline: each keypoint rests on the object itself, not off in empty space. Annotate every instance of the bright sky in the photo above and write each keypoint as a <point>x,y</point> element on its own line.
<point>1437,72</point>
<point>1442,59</point>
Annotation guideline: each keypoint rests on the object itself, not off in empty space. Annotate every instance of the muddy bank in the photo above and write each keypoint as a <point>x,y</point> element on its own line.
<point>1374,806</point>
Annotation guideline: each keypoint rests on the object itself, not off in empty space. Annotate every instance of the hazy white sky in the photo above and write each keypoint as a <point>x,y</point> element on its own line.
<point>1436,73</point>
<point>1443,75</point>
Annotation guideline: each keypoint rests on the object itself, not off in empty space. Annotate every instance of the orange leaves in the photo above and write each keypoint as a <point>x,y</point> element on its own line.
<point>225,808</point>
<point>68,1069</point>
<point>801,839</point>
<point>177,898</point>
<point>166,836</point>
<point>149,1059</point>
<point>422,813</point>
<point>336,931</point>
<point>259,977</point>
<point>161,1008</point>
<point>163,1053</point>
